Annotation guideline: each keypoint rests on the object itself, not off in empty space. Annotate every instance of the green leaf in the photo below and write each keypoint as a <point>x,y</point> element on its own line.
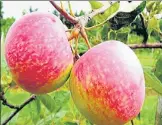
<point>153,24</point>
<point>151,92</point>
<point>122,37</point>
<point>159,10</point>
<point>122,19</point>
<point>149,5</point>
<point>124,30</point>
<point>60,114</point>
<point>158,69</point>
<point>38,105</point>
<point>155,35</point>
<point>156,8</point>
<point>152,81</point>
<point>34,116</point>
<point>102,17</point>
<point>60,99</point>
<point>112,35</point>
<point>95,4</point>
<point>47,101</point>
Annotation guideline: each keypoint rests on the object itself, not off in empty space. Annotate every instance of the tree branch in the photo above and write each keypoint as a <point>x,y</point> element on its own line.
<point>33,97</point>
<point>64,13</point>
<point>83,20</point>
<point>139,46</point>
<point>6,103</point>
<point>148,45</point>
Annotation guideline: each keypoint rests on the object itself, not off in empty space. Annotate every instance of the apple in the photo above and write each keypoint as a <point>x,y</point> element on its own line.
<point>107,84</point>
<point>38,53</point>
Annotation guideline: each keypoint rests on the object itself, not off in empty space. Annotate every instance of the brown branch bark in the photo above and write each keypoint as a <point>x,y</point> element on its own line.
<point>148,45</point>
<point>143,46</point>
<point>64,13</point>
<point>33,97</point>
<point>6,103</point>
<point>83,20</point>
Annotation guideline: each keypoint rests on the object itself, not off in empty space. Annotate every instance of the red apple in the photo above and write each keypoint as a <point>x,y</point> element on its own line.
<point>38,53</point>
<point>107,84</point>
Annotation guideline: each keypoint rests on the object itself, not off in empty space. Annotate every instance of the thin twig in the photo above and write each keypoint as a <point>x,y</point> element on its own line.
<point>99,11</point>
<point>95,26</point>
<point>62,7</point>
<point>70,8</point>
<point>33,97</point>
<point>83,20</point>
<point>64,13</point>
<point>132,123</point>
<point>142,46</point>
<point>6,103</point>
<point>148,45</point>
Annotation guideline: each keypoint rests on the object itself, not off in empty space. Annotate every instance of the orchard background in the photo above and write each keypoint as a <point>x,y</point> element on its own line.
<point>140,28</point>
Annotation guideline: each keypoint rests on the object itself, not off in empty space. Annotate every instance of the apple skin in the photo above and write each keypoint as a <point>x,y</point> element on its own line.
<point>107,84</point>
<point>38,53</point>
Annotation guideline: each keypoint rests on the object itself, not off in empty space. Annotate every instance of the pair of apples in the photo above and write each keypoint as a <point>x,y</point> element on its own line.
<point>106,83</point>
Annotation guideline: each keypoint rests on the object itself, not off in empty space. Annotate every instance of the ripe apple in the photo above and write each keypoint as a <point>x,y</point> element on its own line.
<point>38,53</point>
<point>107,84</point>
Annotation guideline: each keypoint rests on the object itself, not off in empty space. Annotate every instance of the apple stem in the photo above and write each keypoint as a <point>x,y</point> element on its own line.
<point>71,42</point>
<point>76,45</point>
